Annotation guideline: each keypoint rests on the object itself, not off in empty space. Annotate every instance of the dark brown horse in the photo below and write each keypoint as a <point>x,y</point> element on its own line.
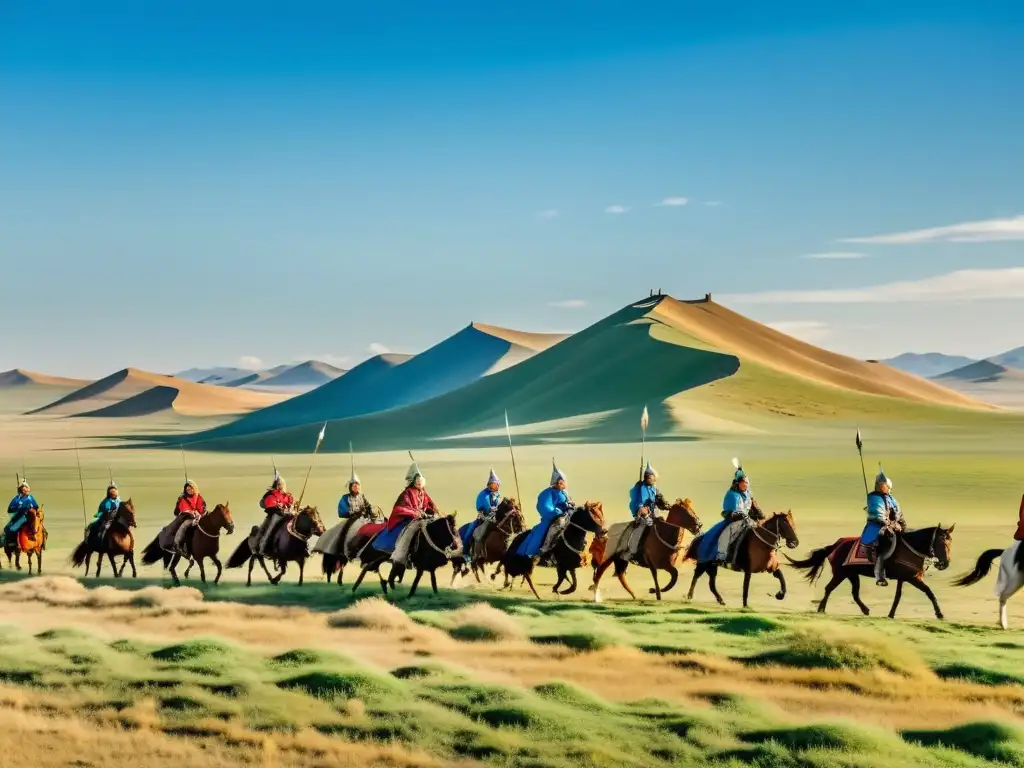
<point>30,539</point>
<point>117,541</point>
<point>661,549</point>
<point>568,553</point>
<point>289,543</point>
<point>335,562</point>
<point>755,554</point>
<point>202,540</point>
<point>433,547</point>
<point>907,564</point>
<point>508,522</point>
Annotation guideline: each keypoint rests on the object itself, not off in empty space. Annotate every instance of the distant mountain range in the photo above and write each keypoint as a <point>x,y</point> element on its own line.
<point>295,378</point>
<point>930,365</point>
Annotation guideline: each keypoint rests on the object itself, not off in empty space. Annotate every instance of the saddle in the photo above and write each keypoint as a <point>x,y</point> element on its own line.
<point>859,553</point>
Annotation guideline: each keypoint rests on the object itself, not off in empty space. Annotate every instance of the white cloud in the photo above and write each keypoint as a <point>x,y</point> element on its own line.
<point>616,209</point>
<point>835,255</point>
<point>568,304</point>
<point>672,202</point>
<point>376,348</point>
<point>250,362</point>
<point>963,285</point>
<point>969,232</point>
<point>550,213</point>
<point>806,330</point>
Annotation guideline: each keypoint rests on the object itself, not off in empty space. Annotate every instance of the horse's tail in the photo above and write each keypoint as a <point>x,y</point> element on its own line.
<point>241,554</point>
<point>814,564</point>
<point>152,553</point>
<point>981,569</point>
<point>78,556</point>
<point>330,564</point>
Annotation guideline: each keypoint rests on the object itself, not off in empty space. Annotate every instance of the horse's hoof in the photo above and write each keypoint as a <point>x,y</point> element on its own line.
<point>780,595</point>
<point>597,595</point>
<point>939,616</point>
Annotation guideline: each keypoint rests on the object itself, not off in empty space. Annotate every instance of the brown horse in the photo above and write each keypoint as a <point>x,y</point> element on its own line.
<point>118,540</point>
<point>755,554</point>
<point>568,553</point>
<point>914,549</point>
<point>507,524</point>
<point>436,545</point>
<point>289,543</point>
<point>661,550</point>
<point>335,562</point>
<point>201,541</point>
<point>30,539</point>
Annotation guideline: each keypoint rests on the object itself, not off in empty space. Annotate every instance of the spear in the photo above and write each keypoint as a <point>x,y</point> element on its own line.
<point>515,475</point>
<point>185,465</point>
<point>863,472</point>
<point>352,460</point>
<point>316,448</point>
<point>81,484</point>
<point>643,440</point>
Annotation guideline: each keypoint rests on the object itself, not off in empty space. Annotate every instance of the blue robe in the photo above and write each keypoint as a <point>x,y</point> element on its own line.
<point>879,508</point>
<point>734,501</point>
<point>18,510</point>
<point>345,505</point>
<point>551,504</point>
<point>641,495</point>
<point>107,505</point>
<point>486,502</point>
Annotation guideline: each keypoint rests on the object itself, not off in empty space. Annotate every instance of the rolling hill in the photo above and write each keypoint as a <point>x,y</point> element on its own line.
<point>302,377</point>
<point>132,392</point>
<point>391,381</point>
<point>18,377</point>
<point>1012,359</point>
<point>22,390</point>
<point>698,365</point>
<point>215,375</point>
<point>988,381</point>
<point>927,365</point>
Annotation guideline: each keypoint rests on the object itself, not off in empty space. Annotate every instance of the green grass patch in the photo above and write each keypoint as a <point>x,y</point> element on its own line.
<point>988,740</point>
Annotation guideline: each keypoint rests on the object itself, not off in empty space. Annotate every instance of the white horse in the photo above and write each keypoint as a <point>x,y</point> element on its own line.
<point>1010,579</point>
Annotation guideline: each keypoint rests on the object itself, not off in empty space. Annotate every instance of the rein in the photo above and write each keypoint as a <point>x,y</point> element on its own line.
<point>199,527</point>
<point>291,528</point>
<point>926,560</point>
<point>448,552</point>
<point>565,530</point>
<point>760,531</point>
<point>672,547</point>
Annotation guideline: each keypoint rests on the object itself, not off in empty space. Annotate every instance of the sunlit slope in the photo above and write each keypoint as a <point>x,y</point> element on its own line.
<point>392,381</point>
<point>22,390</point>
<point>614,365</point>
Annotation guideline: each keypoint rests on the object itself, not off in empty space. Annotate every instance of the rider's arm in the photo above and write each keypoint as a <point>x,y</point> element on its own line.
<point>660,503</point>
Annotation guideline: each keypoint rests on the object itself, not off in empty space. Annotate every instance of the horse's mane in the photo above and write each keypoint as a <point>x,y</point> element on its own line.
<point>921,536</point>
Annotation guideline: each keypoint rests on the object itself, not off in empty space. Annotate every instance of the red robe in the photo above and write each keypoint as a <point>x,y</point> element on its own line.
<point>275,499</point>
<point>1019,535</point>
<point>409,506</point>
<point>190,505</point>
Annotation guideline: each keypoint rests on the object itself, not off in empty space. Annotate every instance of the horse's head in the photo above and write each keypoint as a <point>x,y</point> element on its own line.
<point>313,522</point>
<point>590,517</point>
<point>34,519</point>
<point>126,513</point>
<point>683,515</point>
<point>510,518</point>
<point>221,517</point>
<point>784,525</point>
<point>942,545</point>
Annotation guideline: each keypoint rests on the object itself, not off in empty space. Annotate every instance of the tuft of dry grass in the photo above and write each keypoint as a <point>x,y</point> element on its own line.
<point>372,613</point>
<point>66,592</point>
<point>481,621</point>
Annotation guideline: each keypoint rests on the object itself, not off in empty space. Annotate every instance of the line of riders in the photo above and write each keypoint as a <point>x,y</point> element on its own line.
<point>414,509</point>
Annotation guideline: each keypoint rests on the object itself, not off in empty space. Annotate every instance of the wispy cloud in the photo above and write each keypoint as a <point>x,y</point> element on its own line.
<point>616,209</point>
<point>835,255</point>
<point>376,348</point>
<point>250,362</point>
<point>969,232</point>
<point>963,285</point>
<point>806,330</point>
<point>672,202</point>
<point>550,213</point>
<point>568,304</point>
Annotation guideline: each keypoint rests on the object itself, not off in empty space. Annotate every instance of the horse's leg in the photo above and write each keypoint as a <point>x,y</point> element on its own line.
<point>277,579</point>
<point>698,571</point>
<point>263,563</point>
<point>88,562</point>
<point>113,565</point>
<point>599,572</point>
<point>526,577</point>
<point>778,574</point>
<point>188,568</point>
<point>415,582</point>
<point>341,569</point>
<point>220,568</point>
<point>302,569</point>
<point>620,574</point>
<point>561,577</point>
<point>28,560</point>
<point>497,571</point>
<point>657,589</point>
<point>359,579</point>
<point>202,570</point>
<point>39,561</point>
<point>673,577</point>
<point>131,560</point>
<point>713,582</point>
<point>433,582</point>
<point>252,562</point>
<point>919,583</point>
<point>99,562</point>
<point>855,588</point>
<point>572,586</point>
<point>838,577</point>
<point>174,574</point>
<point>746,586</point>
<point>896,599</point>
<point>476,573</point>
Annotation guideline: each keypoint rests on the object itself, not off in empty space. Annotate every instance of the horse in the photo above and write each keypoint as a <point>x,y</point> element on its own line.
<point>336,562</point>
<point>508,522</point>
<point>289,543</point>
<point>202,541</point>
<point>1010,578</point>
<point>568,553</point>
<point>914,549</point>
<point>661,549</point>
<point>118,540</point>
<point>434,546</point>
<point>755,554</point>
<point>30,539</point>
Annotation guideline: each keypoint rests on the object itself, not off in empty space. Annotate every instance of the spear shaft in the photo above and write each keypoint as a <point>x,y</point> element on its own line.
<point>515,474</point>
<point>81,484</point>
<point>316,449</point>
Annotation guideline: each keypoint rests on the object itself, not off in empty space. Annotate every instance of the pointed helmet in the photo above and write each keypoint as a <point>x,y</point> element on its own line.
<point>556,473</point>
<point>493,478</point>
<point>413,473</point>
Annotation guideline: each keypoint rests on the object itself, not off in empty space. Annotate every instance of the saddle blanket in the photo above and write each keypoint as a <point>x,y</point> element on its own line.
<point>372,529</point>
<point>858,554</point>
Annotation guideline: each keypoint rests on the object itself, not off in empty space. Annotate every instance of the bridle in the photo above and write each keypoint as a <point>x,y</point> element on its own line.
<point>771,539</point>
<point>447,552</point>
<point>199,526</point>
<point>926,560</point>
<point>572,524</point>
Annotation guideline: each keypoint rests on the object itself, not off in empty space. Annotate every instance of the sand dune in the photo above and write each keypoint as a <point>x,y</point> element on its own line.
<point>388,382</point>
<point>18,377</point>
<point>132,392</point>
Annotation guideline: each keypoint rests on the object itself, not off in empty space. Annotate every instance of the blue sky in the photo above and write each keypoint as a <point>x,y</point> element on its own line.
<point>186,186</point>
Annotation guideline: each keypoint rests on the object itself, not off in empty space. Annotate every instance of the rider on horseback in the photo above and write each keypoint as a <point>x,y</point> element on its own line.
<point>354,503</point>
<point>277,503</point>
<point>105,513</point>
<point>739,512</point>
<point>190,507</point>
<point>644,499</point>
<point>18,509</point>
<point>410,515</point>
<point>885,520</point>
<point>487,502</point>
<point>554,507</point>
